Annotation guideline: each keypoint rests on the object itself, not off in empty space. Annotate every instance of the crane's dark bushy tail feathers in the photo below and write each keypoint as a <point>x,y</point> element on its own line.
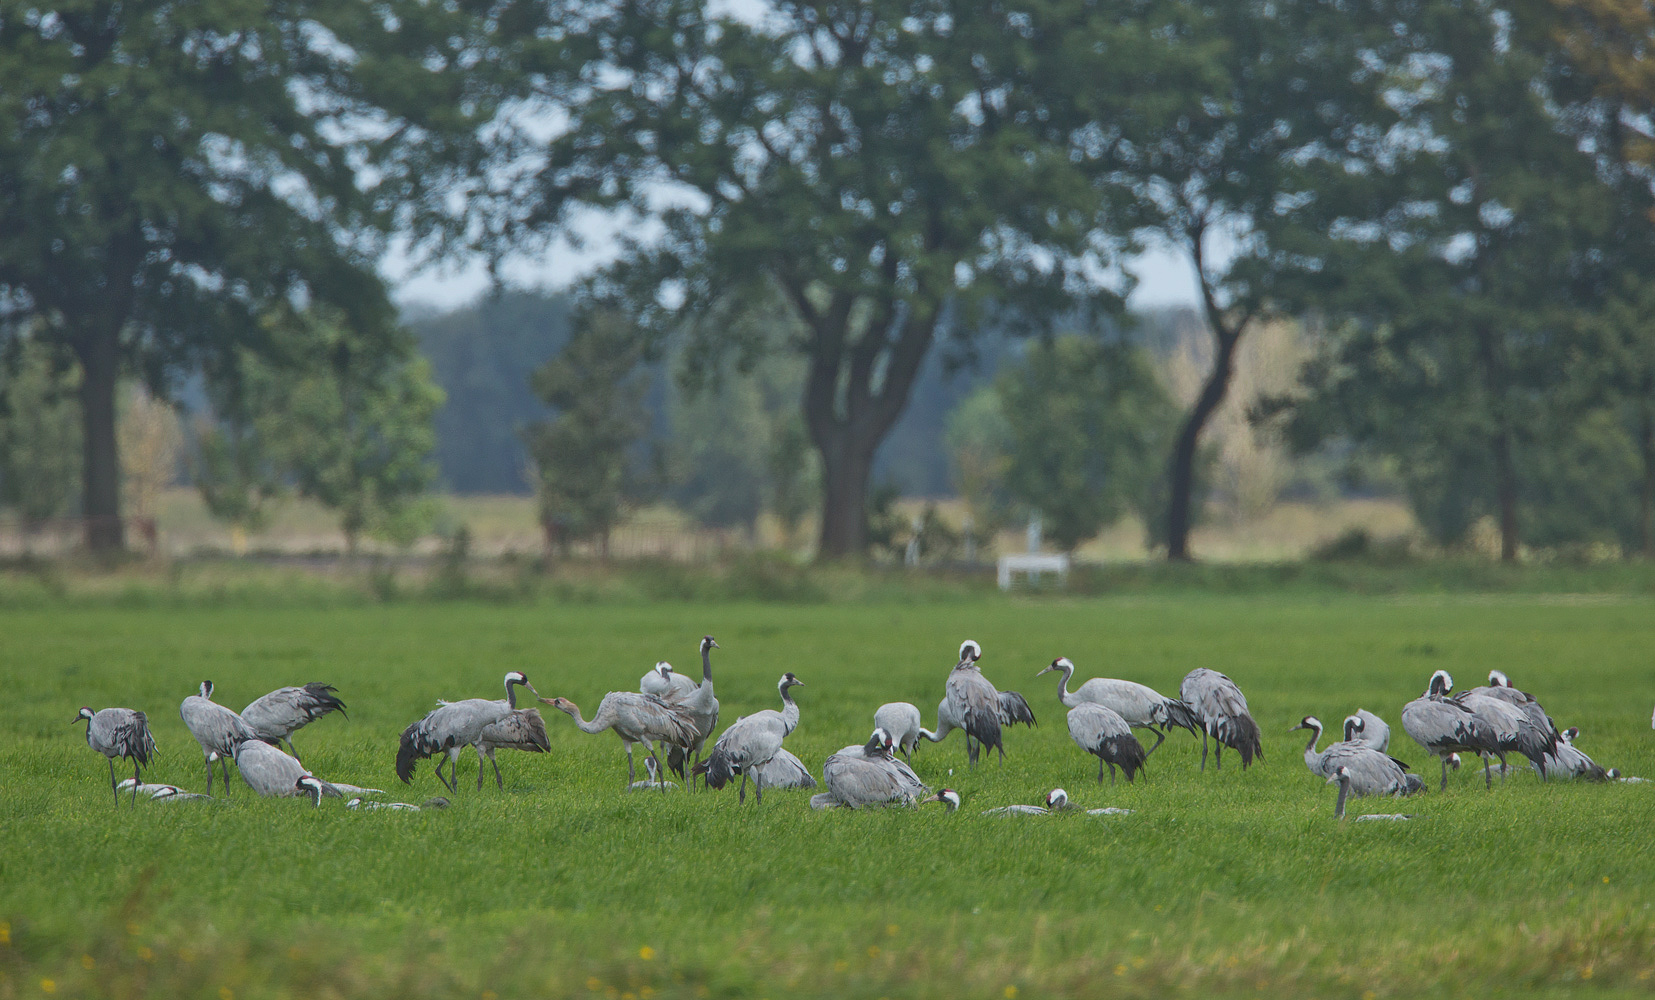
<point>1241,734</point>
<point>327,700</point>
<point>1126,753</point>
<point>1014,708</point>
<point>408,753</point>
<point>720,769</point>
<point>983,726</point>
<point>1412,783</point>
<point>675,760</point>
<point>1180,714</point>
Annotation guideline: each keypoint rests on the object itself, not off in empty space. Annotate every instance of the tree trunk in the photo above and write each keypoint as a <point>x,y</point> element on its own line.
<point>1505,475</point>
<point>847,465</point>
<point>100,356</point>
<point>1181,470</point>
<point>1646,496</point>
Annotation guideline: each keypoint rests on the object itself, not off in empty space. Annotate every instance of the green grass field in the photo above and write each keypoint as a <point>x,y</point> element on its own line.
<point>1221,884</point>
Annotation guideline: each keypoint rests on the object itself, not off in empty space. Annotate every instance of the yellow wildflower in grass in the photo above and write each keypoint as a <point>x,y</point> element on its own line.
<point>891,929</point>
<point>490,995</point>
<point>226,993</point>
<point>88,962</point>
<point>873,951</point>
<point>646,953</point>
<point>5,932</point>
<point>841,965</point>
<point>1120,970</point>
<point>1011,993</point>
<point>645,992</point>
<point>133,928</point>
<point>186,955</point>
<point>593,983</point>
<point>145,954</point>
<point>48,986</point>
<point>1586,973</point>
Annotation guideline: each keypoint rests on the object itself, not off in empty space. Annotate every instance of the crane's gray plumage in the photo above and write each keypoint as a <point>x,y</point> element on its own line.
<point>635,718</point>
<point>1514,727</point>
<point>972,704</point>
<point>1056,800</point>
<point>665,683</point>
<point>702,704</point>
<point>1500,688</point>
<point>1221,709</point>
<point>868,775</point>
<point>274,774</point>
<point>521,729</point>
<point>1141,706</point>
<point>782,771</point>
<point>275,717</point>
<point>1375,773</point>
<point>751,741</point>
<point>218,729</point>
<point>433,803</point>
<point>1101,732</point>
<point>454,725</point>
<point>902,720</point>
<point>1446,727</point>
<point>1352,783</point>
<point>1568,761</point>
<point>1368,728</point>
<point>119,732</point>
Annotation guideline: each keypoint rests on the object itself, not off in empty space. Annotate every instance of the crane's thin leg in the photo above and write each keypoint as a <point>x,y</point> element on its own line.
<point>1002,748</point>
<point>1444,787</point>
<point>1203,750</point>
<point>440,761</point>
<point>499,782</point>
<point>1488,774</point>
<point>1100,768</point>
<point>631,768</point>
<point>1218,754</point>
<point>758,791</point>
<point>113,787</point>
<point>479,768</point>
<point>1160,738</point>
<point>224,765</point>
<point>134,784</point>
<point>293,750</point>
<point>1111,775</point>
<point>741,796</point>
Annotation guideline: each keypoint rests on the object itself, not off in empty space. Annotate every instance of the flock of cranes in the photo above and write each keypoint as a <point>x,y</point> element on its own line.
<point>676,713</point>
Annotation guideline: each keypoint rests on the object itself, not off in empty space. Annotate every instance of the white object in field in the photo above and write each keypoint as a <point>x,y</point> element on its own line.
<point>1031,565</point>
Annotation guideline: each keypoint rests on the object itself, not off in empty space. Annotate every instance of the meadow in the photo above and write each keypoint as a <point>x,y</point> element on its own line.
<point>1223,883</point>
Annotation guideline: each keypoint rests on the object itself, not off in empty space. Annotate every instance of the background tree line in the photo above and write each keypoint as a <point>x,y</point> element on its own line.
<point>847,205</point>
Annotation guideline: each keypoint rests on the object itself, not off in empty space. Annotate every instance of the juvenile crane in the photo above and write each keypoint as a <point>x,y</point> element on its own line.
<point>1141,706</point>
<point>971,703</point>
<point>219,730</point>
<point>867,775</point>
<point>1221,709</point>
<point>454,725</point>
<point>1101,732</point>
<point>702,704</point>
<point>751,742</point>
<point>635,718</point>
<point>275,717</point>
<point>119,732</point>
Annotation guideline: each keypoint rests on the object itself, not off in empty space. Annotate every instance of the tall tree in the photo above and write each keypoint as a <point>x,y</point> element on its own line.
<point>1239,162</point>
<point>880,166</point>
<point>167,177</point>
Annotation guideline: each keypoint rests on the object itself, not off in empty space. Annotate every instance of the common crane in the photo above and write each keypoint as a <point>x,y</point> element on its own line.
<point>971,703</point>
<point>1141,706</point>
<point>119,732</point>
<point>218,729</point>
<point>1057,800</point>
<point>751,741</point>
<point>783,771</point>
<point>437,802</point>
<point>635,718</point>
<point>274,774</point>
<point>1101,732</point>
<point>1445,727</point>
<point>275,717</point>
<point>867,775</point>
<point>1221,709</point>
<point>653,782</point>
<point>949,798</point>
<point>454,725</point>
<point>1379,773</point>
<point>1516,729</point>
<point>1352,784</point>
<point>702,704</point>
<point>665,683</point>
<point>1369,729</point>
<point>1568,761</point>
<point>902,720</point>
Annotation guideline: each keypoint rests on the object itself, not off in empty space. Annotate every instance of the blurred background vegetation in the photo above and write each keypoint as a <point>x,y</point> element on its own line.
<point>870,297</point>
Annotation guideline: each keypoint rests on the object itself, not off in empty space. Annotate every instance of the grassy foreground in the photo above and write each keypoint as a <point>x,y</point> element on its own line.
<point>1227,883</point>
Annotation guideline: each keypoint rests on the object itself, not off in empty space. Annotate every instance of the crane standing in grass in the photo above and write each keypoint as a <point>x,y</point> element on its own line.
<point>275,717</point>
<point>702,704</point>
<point>1141,706</point>
<point>219,730</point>
<point>1222,710</point>
<point>454,725</point>
<point>972,704</point>
<point>1100,731</point>
<point>751,742</point>
<point>635,718</point>
<point>1446,727</point>
<point>902,720</point>
<point>119,732</point>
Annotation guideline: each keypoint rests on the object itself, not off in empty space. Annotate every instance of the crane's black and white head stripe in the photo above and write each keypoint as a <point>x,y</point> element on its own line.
<point>875,747</point>
<point>664,669</point>
<point>1442,682</point>
<point>84,714</point>
<point>708,642</point>
<point>516,677</point>
<point>970,652</point>
<point>1497,679</point>
<point>311,786</point>
<point>1568,735</point>
<point>788,680</point>
<point>948,797</point>
<point>1061,663</point>
<point>1057,798</point>
<point>1310,722</point>
<point>207,690</point>
<point>1354,726</point>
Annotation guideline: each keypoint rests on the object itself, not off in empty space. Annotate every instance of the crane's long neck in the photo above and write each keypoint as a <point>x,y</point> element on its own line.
<point>1344,793</point>
<point>1315,735</point>
<point>511,694</point>
<point>1063,694</point>
<point>706,664</point>
<point>790,712</point>
<point>573,711</point>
